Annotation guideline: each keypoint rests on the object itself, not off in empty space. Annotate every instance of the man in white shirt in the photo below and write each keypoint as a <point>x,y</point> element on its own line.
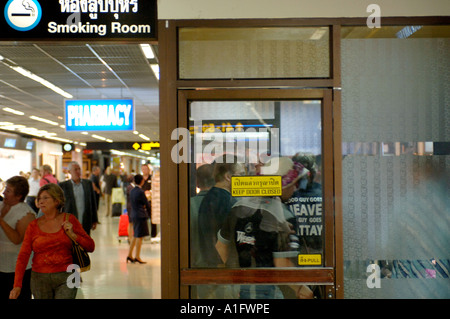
<point>33,182</point>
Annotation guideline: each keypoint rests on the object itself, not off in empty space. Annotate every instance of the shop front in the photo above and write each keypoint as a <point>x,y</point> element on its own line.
<point>265,88</point>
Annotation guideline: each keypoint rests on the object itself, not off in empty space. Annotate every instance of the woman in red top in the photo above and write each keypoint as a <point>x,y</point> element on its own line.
<point>48,238</point>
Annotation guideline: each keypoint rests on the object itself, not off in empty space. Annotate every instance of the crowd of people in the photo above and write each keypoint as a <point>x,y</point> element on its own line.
<point>41,216</point>
<point>264,231</point>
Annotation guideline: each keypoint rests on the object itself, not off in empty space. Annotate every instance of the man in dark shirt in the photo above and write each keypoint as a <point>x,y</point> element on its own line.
<point>110,181</point>
<point>95,179</point>
<point>80,200</point>
<point>214,209</point>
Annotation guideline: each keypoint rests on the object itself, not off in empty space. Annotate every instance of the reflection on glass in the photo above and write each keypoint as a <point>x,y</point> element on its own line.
<point>255,138</point>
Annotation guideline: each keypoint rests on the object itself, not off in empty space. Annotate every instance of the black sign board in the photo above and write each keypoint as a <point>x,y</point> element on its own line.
<point>74,19</point>
<point>144,146</point>
<point>15,141</point>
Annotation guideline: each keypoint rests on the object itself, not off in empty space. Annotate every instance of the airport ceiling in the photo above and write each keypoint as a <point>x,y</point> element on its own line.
<point>86,71</point>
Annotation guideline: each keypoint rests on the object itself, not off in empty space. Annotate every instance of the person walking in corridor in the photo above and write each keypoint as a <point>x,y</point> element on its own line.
<point>80,198</point>
<point>140,213</point>
<point>48,239</point>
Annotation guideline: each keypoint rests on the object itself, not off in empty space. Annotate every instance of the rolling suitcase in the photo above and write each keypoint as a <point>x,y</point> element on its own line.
<point>116,209</point>
<point>123,227</point>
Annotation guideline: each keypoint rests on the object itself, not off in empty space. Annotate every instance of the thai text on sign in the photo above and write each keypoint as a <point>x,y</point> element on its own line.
<point>243,186</point>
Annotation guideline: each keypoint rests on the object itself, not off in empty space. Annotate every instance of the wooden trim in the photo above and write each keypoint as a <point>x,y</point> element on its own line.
<point>169,174</point>
<point>327,178</point>
<point>252,94</point>
<point>337,165</point>
<point>336,58</point>
<point>253,83</point>
<point>323,276</point>
<point>183,196</point>
<point>338,212</point>
<point>305,22</point>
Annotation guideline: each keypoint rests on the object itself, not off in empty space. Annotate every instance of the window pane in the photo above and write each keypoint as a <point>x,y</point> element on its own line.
<point>254,53</point>
<point>231,231</point>
<point>395,119</point>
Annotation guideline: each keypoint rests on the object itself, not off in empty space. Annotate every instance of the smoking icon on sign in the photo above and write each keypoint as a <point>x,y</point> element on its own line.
<point>27,6</point>
<point>23,15</point>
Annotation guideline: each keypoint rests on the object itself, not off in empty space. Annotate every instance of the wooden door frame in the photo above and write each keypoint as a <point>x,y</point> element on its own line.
<point>311,275</point>
<point>174,183</point>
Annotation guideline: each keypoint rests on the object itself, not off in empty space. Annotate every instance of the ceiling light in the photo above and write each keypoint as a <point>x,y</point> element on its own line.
<point>40,119</point>
<point>40,80</point>
<point>155,69</point>
<point>99,137</point>
<point>7,109</point>
<point>59,139</point>
<point>144,137</point>
<point>6,123</point>
<point>147,50</point>
<point>13,127</point>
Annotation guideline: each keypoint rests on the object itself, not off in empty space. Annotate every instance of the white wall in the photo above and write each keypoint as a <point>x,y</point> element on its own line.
<point>241,9</point>
<point>12,161</point>
<point>49,153</point>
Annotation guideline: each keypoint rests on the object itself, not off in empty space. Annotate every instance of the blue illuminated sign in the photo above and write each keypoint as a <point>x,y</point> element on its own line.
<point>99,115</point>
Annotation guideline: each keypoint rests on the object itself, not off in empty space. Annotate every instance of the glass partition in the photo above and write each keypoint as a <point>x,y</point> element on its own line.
<point>395,119</point>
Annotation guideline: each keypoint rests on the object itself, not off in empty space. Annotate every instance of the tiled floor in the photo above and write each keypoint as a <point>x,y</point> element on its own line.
<point>110,276</point>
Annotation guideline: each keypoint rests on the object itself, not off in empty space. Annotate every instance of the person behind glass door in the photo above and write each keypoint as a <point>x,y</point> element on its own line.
<point>140,213</point>
<point>15,216</point>
<point>256,232</point>
<point>205,180</point>
<point>48,238</point>
<point>215,207</point>
<point>307,198</point>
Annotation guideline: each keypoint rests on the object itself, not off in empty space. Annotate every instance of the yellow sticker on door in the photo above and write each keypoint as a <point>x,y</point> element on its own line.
<point>243,186</point>
<point>309,259</point>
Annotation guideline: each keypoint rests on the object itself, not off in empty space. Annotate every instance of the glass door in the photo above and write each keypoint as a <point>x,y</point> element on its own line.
<point>256,245</point>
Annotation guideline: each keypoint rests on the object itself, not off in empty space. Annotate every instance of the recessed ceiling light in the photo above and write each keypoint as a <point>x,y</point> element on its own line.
<point>10,110</point>
<point>147,50</point>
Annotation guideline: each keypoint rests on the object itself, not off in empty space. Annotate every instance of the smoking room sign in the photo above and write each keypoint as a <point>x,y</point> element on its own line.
<point>88,19</point>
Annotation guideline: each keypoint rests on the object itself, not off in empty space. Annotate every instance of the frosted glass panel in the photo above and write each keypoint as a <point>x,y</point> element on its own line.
<point>396,133</point>
<point>249,53</point>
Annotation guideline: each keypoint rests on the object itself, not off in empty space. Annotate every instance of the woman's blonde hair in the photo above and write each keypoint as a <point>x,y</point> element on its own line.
<point>55,192</point>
